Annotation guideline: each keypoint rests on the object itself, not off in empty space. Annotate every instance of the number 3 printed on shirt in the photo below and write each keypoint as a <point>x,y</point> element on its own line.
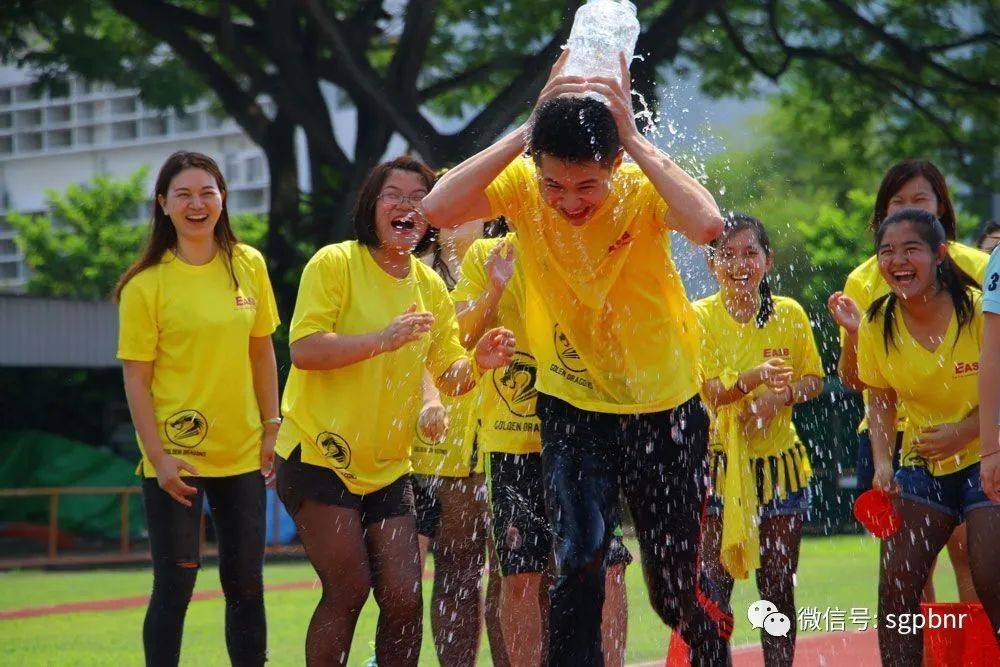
<point>994,277</point>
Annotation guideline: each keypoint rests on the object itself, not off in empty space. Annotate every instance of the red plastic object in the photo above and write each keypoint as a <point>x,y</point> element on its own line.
<point>963,636</point>
<point>678,654</point>
<point>873,509</point>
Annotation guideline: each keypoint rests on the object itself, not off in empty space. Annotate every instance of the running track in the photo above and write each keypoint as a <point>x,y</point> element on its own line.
<point>858,649</point>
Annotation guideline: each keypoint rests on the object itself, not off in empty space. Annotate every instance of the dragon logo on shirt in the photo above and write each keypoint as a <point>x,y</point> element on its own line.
<point>567,354</point>
<point>335,448</point>
<point>516,384</point>
<point>186,428</point>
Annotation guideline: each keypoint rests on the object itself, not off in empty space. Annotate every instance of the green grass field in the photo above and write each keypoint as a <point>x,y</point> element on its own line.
<point>834,572</point>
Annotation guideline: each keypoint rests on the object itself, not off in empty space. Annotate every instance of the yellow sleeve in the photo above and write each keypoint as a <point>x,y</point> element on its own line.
<point>138,328</point>
<point>651,199</point>
<point>445,347</point>
<point>473,280</point>
<point>267,319</point>
<point>806,360</point>
<point>712,365</point>
<point>321,293</point>
<point>871,347</point>
<point>508,191</point>
<point>971,260</point>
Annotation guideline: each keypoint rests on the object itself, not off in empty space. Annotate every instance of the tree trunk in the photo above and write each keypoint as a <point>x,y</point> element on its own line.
<point>284,218</point>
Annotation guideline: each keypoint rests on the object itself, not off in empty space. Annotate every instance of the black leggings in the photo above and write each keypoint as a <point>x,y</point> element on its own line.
<point>659,461</point>
<point>237,505</point>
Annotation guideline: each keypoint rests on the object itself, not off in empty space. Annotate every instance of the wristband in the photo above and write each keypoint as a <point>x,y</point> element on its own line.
<point>272,420</point>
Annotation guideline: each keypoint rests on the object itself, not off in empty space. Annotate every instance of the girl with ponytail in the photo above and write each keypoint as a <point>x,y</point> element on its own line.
<point>918,352</point>
<point>759,358</point>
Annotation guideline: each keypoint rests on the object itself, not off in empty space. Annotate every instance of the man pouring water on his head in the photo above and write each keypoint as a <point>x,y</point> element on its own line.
<point>615,338</point>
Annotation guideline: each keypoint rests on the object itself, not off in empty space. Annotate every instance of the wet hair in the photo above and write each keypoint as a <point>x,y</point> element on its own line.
<point>163,234</point>
<point>902,173</point>
<point>363,215</point>
<point>953,279</point>
<point>989,227</point>
<point>737,222</point>
<point>495,228</point>
<point>575,129</point>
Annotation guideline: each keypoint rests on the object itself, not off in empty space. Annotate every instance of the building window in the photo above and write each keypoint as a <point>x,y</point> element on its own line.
<point>6,145</point>
<point>60,114</point>
<point>6,120</point>
<point>59,138</point>
<point>85,136</point>
<point>25,94</point>
<point>29,141</point>
<point>255,169</point>
<point>8,247</point>
<point>187,122</point>
<point>124,105</point>
<point>29,118</point>
<point>154,127</point>
<point>86,111</point>
<point>123,131</point>
<point>5,96</point>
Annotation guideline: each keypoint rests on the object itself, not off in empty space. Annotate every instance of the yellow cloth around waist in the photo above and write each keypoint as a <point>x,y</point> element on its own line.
<point>747,482</point>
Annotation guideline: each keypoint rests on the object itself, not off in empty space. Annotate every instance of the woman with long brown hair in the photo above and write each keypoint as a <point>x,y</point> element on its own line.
<point>196,317</point>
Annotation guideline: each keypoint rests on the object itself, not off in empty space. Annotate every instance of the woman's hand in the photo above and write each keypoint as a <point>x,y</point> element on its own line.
<point>989,476</point>
<point>495,348</point>
<point>405,328</point>
<point>267,444</point>
<point>500,265</point>
<point>759,413</point>
<point>885,478</point>
<point>941,441</point>
<point>776,373</point>
<point>168,475</point>
<point>433,421</point>
<point>845,311</point>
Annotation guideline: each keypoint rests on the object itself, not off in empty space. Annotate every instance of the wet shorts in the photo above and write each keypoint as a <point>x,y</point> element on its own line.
<point>796,502</point>
<point>521,532</point>
<point>955,494</point>
<point>298,482</point>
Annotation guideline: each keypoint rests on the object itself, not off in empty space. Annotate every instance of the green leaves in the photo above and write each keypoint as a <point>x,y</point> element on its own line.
<point>88,239</point>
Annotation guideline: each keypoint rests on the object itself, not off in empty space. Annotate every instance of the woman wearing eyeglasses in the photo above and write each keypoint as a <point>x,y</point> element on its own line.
<point>368,319</point>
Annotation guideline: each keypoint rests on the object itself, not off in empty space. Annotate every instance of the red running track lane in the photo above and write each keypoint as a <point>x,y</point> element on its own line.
<point>830,649</point>
<point>115,604</point>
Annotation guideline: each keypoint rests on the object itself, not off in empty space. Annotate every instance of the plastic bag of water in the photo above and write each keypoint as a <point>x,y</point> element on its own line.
<point>601,30</point>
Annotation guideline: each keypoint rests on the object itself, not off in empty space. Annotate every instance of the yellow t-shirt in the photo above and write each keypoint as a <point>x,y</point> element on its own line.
<point>939,387</point>
<point>729,348</point>
<point>607,317</point>
<point>195,327</point>
<point>358,420</point>
<point>508,421</point>
<point>865,284</point>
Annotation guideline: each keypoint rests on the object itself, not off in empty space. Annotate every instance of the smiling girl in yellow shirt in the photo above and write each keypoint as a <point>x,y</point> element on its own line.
<point>196,317</point>
<point>918,351</point>
<point>368,319</point>
<point>759,358</point>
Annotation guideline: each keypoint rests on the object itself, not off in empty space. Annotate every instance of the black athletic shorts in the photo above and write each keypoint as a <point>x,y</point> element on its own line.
<point>522,534</point>
<point>427,505</point>
<point>298,481</point>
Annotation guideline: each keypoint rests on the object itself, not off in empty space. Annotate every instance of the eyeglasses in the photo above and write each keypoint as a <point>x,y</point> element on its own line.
<point>395,199</point>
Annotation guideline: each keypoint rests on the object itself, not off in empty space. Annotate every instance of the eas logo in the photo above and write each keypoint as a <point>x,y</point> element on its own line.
<point>245,302</point>
<point>966,368</point>
<point>770,352</point>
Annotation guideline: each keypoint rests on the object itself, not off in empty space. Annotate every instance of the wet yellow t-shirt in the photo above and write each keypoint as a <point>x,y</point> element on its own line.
<point>358,420</point>
<point>865,284</point>
<point>729,348</point>
<point>195,326</point>
<point>508,421</point>
<point>607,317</point>
<point>939,387</point>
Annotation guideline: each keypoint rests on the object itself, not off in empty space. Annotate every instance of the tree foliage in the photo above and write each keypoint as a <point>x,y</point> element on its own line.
<point>91,233</point>
<point>449,76</point>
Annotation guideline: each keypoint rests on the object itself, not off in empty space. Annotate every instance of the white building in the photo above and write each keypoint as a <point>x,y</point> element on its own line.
<point>50,142</point>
